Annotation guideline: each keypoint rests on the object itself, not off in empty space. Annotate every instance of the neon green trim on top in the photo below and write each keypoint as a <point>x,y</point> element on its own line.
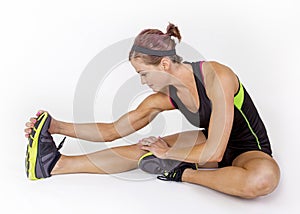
<point>256,138</point>
<point>238,102</point>
<point>239,98</point>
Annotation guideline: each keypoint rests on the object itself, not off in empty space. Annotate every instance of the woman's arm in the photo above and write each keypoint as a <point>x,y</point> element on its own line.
<point>221,85</point>
<point>125,125</point>
<point>221,92</point>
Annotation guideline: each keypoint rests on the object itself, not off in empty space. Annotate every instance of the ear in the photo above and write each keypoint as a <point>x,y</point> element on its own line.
<point>165,63</point>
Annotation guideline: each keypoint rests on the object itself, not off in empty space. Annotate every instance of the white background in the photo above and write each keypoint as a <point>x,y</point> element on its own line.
<point>45,45</point>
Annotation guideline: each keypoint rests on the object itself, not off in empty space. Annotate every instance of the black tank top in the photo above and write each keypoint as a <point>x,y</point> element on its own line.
<point>248,129</point>
<point>202,116</point>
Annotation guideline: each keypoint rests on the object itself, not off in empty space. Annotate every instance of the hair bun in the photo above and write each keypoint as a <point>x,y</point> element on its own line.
<point>173,30</point>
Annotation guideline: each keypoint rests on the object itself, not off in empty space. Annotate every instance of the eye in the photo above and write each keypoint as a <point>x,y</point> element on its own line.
<point>143,75</point>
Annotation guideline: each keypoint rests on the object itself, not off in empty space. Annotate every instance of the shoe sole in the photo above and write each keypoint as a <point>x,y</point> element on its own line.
<point>33,146</point>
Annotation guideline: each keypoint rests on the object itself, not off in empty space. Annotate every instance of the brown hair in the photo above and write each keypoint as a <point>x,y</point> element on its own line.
<point>156,40</point>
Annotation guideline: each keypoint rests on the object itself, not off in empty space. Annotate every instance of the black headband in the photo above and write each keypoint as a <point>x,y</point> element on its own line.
<point>153,52</point>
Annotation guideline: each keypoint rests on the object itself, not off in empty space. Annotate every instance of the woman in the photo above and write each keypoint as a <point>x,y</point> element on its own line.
<point>233,138</point>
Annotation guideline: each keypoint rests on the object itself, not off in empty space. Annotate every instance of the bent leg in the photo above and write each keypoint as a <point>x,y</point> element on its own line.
<point>112,160</point>
<point>253,174</point>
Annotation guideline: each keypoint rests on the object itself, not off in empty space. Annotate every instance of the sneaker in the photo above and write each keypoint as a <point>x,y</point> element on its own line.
<point>153,165</point>
<point>176,173</point>
<point>42,153</point>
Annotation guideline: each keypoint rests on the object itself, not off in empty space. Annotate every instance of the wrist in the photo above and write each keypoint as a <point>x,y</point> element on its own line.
<point>167,155</point>
<point>54,127</point>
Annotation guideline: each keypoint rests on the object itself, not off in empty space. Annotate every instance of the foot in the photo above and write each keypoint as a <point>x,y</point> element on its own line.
<point>42,153</point>
<point>176,173</point>
<point>153,165</point>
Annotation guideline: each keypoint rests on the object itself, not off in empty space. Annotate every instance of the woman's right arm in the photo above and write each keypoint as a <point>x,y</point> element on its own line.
<point>125,125</point>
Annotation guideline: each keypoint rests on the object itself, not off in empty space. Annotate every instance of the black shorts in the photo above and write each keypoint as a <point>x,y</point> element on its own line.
<point>231,153</point>
<point>236,148</point>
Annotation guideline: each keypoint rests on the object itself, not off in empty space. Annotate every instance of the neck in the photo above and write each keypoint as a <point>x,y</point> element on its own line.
<point>182,76</point>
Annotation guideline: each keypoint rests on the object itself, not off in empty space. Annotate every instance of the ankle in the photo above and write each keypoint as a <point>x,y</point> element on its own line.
<point>58,167</point>
<point>186,174</point>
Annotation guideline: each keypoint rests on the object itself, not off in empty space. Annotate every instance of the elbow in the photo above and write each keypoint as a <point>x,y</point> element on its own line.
<point>212,153</point>
<point>210,158</point>
<point>217,158</point>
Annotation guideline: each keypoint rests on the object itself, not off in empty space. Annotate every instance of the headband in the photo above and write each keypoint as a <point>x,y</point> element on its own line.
<point>153,52</point>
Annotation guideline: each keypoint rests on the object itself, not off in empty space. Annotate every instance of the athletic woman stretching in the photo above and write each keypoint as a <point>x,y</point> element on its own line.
<point>232,139</point>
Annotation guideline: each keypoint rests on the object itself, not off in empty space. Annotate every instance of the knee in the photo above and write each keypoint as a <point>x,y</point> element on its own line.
<point>261,184</point>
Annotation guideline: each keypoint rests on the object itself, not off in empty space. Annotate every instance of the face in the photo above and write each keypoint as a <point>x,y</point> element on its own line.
<point>154,76</point>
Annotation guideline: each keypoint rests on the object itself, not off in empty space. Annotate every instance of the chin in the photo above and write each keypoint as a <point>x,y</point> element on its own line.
<point>157,89</point>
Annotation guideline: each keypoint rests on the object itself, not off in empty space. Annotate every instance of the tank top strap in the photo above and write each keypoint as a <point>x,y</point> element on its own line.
<point>197,69</point>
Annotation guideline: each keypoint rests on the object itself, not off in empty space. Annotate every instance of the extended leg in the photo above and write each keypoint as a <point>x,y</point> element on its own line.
<point>253,174</point>
<point>118,159</point>
<point>42,154</point>
<point>113,160</point>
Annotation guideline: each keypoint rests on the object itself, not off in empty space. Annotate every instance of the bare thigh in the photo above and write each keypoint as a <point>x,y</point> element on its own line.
<point>124,158</point>
<point>121,158</point>
<point>244,160</point>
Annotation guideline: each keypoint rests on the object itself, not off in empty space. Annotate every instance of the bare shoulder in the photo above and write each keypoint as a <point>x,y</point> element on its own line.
<point>214,68</point>
<point>219,74</point>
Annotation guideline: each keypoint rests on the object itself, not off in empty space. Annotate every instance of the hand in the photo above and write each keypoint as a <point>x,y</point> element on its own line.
<point>29,125</point>
<point>157,146</point>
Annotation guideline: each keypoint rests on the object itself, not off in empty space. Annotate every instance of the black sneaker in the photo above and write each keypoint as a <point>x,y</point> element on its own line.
<point>176,173</point>
<point>42,153</point>
<point>153,165</point>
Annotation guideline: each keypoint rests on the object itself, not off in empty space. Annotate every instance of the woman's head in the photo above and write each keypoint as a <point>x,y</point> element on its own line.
<point>154,39</point>
<point>153,53</point>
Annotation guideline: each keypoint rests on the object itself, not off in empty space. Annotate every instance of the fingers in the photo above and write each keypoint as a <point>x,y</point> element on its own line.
<point>28,131</point>
<point>33,120</point>
<point>148,141</point>
<point>31,123</point>
<point>155,145</point>
<point>147,148</point>
<point>39,112</point>
<point>152,138</point>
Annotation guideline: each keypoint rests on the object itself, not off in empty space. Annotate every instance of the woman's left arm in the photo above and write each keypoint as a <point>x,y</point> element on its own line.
<point>220,87</point>
<point>221,90</point>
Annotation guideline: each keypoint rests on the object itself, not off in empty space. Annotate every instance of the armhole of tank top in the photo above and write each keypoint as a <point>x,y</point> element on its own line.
<point>171,100</point>
<point>239,86</point>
